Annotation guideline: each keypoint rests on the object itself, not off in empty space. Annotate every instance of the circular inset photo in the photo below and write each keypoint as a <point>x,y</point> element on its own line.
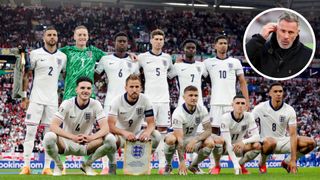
<point>279,44</point>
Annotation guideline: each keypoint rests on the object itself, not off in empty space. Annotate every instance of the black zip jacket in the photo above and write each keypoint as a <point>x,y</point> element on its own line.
<point>270,59</point>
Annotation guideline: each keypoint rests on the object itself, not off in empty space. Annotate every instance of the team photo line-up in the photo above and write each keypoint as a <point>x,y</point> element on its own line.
<point>229,128</point>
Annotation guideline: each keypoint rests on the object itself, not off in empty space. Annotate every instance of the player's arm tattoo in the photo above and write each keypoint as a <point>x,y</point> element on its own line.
<point>206,133</point>
<point>179,135</point>
<point>181,150</point>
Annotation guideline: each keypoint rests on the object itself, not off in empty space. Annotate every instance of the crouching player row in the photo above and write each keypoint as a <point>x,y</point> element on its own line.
<point>79,114</point>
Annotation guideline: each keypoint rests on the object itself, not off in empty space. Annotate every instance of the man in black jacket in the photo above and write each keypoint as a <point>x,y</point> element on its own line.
<point>282,55</point>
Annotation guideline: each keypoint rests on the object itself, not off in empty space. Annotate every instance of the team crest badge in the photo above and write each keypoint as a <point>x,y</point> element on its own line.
<point>164,63</point>
<point>223,125</point>
<point>87,116</point>
<point>243,128</point>
<point>28,116</point>
<point>139,111</point>
<point>129,64</point>
<point>197,120</point>
<point>89,53</point>
<point>282,118</point>
<point>199,69</point>
<point>59,61</point>
<point>137,151</point>
<point>230,65</point>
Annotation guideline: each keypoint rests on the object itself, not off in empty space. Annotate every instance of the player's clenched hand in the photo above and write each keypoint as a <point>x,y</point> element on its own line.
<point>293,167</point>
<point>238,147</point>
<point>129,136</point>
<point>78,139</point>
<point>24,103</point>
<point>145,136</point>
<point>182,169</point>
<point>190,146</point>
<point>267,29</point>
<point>87,138</point>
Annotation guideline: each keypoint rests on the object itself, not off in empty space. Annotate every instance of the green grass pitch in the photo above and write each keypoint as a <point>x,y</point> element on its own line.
<point>226,173</point>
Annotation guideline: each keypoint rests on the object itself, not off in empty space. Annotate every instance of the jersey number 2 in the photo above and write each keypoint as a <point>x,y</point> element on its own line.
<point>50,71</point>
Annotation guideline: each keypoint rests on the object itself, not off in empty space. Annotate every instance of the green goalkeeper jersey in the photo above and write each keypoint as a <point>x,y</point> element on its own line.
<point>80,62</point>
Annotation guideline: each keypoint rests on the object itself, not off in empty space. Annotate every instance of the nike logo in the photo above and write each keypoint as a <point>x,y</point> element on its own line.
<point>213,65</point>
<point>265,115</point>
<point>111,63</point>
<point>122,112</point>
<point>41,59</point>
<point>148,62</point>
<point>183,69</point>
<point>72,116</point>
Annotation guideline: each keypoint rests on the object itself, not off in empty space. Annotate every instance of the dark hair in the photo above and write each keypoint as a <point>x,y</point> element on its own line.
<point>49,28</point>
<point>120,34</point>
<point>189,41</point>
<point>133,77</point>
<point>274,84</point>
<point>220,37</point>
<point>84,78</point>
<point>156,32</point>
<point>240,96</point>
<point>190,88</point>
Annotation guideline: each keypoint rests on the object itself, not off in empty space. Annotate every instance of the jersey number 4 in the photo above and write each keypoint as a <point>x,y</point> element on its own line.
<point>77,128</point>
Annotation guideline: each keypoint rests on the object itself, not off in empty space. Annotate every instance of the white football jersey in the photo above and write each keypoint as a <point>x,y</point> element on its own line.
<point>223,75</point>
<point>274,123</point>
<point>183,119</point>
<point>46,67</point>
<point>130,117</point>
<point>238,130</point>
<point>117,70</point>
<point>189,74</point>
<point>77,120</point>
<point>155,68</point>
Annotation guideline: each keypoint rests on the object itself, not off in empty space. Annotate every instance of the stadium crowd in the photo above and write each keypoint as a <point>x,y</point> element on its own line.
<point>24,25</point>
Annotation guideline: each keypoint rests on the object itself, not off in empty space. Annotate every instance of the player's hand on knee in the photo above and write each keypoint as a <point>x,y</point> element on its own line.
<point>190,146</point>
<point>130,136</point>
<point>238,147</point>
<point>182,169</point>
<point>144,137</point>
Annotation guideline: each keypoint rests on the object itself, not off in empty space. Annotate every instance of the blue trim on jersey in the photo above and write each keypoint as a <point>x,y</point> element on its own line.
<point>125,56</point>
<point>126,99</point>
<point>235,119</point>
<point>186,109</point>
<point>222,59</point>
<point>155,54</point>
<point>274,108</point>
<point>82,108</point>
<point>149,113</point>
<point>48,51</point>
<point>189,62</point>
